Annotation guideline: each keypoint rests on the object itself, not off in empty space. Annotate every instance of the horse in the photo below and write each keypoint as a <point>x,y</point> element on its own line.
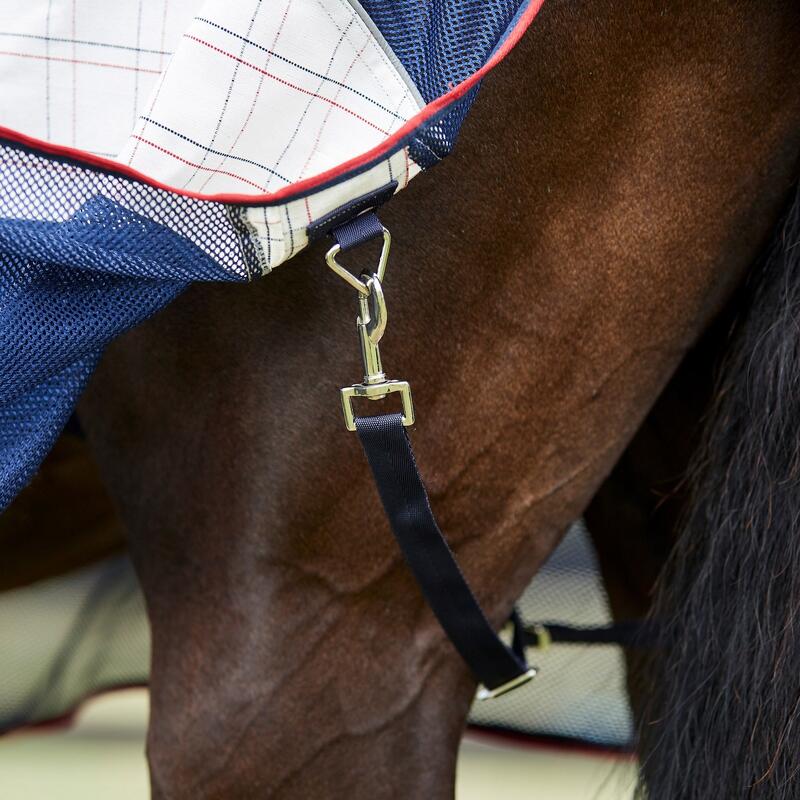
<point>615,184</point>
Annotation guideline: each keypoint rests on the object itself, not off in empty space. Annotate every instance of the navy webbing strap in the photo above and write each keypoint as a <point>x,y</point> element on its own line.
<point>358,230</point>
<point>343,215</point>
<point>636,633</point>
<point>388,449</point>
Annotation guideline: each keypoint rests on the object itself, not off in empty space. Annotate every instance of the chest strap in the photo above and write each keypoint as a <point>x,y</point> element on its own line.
<point>497,667</point>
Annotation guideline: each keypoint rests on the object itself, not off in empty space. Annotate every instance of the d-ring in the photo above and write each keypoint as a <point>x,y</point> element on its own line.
<point>359,285</point>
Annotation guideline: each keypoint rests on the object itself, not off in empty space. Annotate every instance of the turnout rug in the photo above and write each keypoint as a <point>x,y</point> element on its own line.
<point>144,146</point>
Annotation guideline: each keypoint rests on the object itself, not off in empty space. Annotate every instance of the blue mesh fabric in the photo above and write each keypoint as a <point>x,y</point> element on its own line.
<point>435,138</point>
<point>84,256</point>
<point>441,43</point>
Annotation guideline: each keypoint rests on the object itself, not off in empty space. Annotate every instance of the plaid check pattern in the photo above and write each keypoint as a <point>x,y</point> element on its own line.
<point>251,102</point>
<point>79,72</point>
<point>234,124</point>
<point>212,97</point>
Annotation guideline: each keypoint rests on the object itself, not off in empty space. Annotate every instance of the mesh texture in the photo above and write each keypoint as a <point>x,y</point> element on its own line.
<point>67,638</point>
<point>580,692</point>
<point>441,43</point>
<point>84,256</point>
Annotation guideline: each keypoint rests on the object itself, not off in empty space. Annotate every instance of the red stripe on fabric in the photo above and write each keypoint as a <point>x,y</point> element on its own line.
<point>192,164</point>
<point>552,743</point>
<point>289,84</point>
<point>307,184</point>
<point>78,61</point>
<point>325,119</point>
<point>250,113</point>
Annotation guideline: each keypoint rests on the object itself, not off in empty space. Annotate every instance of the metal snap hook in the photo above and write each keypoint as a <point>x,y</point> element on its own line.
<point>371,325</point>
<point>374,314</point>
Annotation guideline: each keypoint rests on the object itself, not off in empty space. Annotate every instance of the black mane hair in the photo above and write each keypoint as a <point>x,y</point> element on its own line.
<point>723,720</point>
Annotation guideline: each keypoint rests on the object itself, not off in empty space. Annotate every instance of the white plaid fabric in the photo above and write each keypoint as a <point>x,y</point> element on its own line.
<point>240,97</point>
<point>280,231</point>
<point>79,72</point>
<point>258,97</point>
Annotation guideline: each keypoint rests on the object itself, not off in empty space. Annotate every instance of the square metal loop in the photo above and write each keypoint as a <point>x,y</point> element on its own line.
<point>377,391</point>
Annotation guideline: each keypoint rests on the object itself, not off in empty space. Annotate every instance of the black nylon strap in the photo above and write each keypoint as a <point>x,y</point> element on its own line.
<point>372,200</point>
<point>428,555</point>
<point>625,633</point>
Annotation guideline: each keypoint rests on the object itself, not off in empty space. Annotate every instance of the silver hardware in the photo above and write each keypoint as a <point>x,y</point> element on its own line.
<point>348,276</point>
<point>543,637</point>
<point>487,694</point>
<point>371,325</point>
<point>377,391</point>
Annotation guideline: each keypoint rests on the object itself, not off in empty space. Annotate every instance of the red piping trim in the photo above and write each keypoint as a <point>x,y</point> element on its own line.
<point>66,719</point>
<point>534,741</point>
<point>308,184</point>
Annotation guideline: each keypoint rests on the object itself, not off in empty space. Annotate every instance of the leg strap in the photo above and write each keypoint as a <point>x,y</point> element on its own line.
<point>388,449</point>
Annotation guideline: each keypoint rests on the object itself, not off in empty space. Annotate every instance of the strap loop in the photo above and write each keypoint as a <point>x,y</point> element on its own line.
<point>353,233</point>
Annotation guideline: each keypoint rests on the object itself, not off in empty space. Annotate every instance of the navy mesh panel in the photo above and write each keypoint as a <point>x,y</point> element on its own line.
<point>441,43</point>
<point>84,256</point>
<point>436,137</point>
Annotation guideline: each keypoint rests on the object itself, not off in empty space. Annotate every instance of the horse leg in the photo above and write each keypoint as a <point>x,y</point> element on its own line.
<point>634,517</point>
<point>292,653</point>
<point>63,520</point>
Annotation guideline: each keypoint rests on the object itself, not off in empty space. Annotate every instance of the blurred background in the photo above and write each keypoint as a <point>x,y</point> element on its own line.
<point>101,756</point>
<point>81,632</point>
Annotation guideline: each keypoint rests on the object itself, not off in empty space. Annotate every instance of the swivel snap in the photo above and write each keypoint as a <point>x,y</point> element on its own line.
<point>372,306</point>
<point>371,326</point>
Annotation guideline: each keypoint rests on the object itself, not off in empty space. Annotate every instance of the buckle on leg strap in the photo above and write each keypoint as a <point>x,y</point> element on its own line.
<point>488,694</point>
<point>371,325</point>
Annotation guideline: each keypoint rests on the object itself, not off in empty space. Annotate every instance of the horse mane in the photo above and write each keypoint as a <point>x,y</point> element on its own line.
<point>723,719</point>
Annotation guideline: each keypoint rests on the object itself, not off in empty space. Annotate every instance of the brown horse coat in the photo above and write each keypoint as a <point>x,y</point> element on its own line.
<point>540,300</point>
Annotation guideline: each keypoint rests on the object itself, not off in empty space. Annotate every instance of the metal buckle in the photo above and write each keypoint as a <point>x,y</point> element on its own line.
<point>488,694</point>
<point>371,325</point>
<point>376,391</point>
<point>543,637</point>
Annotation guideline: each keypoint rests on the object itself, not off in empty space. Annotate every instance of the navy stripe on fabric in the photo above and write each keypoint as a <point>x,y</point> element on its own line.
<point>302,68</point>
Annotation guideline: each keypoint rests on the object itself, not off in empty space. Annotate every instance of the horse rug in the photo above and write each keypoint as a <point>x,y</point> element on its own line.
<point>144,146</point>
